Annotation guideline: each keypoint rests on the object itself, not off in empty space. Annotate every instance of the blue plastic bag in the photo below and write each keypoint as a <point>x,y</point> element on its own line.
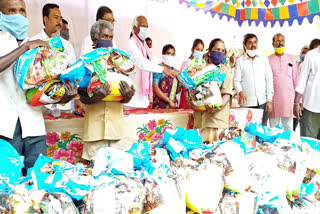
<point>23,63</point>
<point>77,72</point>
<point>11,165</point>
<point>140,153</point>
<point>66,178</point>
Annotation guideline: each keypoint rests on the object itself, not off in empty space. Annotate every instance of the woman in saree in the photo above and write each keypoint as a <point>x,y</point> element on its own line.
<point>165,88</point>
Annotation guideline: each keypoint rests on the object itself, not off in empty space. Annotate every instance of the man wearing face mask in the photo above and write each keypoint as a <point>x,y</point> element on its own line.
<point>20,124</point>
<point>142,57</point>
<point>285,75</point>
<point>104,120</point>
<point>253,79</point>
<point>64,33</point>
<point>52,20</point>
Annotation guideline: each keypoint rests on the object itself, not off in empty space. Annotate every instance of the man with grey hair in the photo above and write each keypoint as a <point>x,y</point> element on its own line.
<point>104,120</point>
<point>102,34</point>
<point>142,57</point>
<point>285,75</point>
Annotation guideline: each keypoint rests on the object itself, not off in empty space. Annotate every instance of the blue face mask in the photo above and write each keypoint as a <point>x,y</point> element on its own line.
<point>198,54</point>
<point>104,44</point>
<point>302,57</point>
<point>17,25</point>
<point>143,34</point>
<point>217,57</point>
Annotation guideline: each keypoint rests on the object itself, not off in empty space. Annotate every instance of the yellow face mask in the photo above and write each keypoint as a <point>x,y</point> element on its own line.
<point>279,50</point>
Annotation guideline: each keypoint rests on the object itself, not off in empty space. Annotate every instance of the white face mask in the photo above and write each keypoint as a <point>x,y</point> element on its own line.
<point>168,60</point>
<point>252,53</point>
<point>143,34</point>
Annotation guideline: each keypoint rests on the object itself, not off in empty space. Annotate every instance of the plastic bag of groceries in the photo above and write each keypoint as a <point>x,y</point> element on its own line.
<point>166,196</point>
<point>36,201</point>
<point>292,161</point>
<point>41,65</point>
<point>10,167</point>
<point>196,73</point>
<point>208,93</point>
<point>140,153</point>
<point>179,142</point>
<point>111,160</point>
<point>47,93</point>
<point>122,195</point>
<point>203,185</point>
<point>233,203</point>
<point>102,65</point>
<point>236,172</point>
<point>267,181</point>
<point>61,176</point>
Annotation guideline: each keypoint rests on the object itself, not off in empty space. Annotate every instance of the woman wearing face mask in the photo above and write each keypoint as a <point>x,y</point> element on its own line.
<point>165,88</point>
<point>214,118</point>
<point>196,52</point>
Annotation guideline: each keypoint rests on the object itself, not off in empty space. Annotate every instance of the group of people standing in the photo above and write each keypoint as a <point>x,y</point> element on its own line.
<point>272,84</point>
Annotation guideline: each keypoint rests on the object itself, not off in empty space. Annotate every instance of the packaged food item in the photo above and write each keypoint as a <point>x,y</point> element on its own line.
<point>41,65</point>
<point>122,195</point>
<point>173,197</point>
<point>197,73</point>
<point>206,94</point>
<point>37,201</point>
<point>233,203</point>
<point>113,80</point>
<point>203,186</point>
<point>236,172</point>
<point>47,93</point>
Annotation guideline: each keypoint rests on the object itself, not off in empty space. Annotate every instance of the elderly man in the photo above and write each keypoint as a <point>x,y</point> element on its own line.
<point>103,13</point>
<point>140,53</point>
<point>285,76</point>
<point>52,20</point>
<point>20,124</point>
<point>308,86</point>
<point>104,120</point>
<point>253,78</point>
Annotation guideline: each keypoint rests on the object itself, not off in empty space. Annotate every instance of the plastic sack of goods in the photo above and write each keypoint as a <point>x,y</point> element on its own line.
<point>36,201</point>
<point>122,195</point>
<point>208,93</point>
<point>37,71</point>
<point>41,65</point>
<point>100,66</point>
<point>197,73</point>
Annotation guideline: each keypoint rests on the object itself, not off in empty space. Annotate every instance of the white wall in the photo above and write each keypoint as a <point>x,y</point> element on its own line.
<point>169,22</point>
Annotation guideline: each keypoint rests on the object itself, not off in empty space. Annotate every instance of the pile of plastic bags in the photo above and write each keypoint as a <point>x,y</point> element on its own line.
<point>203,82</point>
<point>102,65</point>
<point>277,174</point>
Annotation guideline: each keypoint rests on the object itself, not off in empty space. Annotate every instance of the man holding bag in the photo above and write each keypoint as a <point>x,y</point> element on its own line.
<point>142,57</point>
<point>20,124</point>
<point>104,120</point>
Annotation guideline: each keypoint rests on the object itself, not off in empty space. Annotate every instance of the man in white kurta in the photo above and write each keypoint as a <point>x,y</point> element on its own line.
<point>141,55</point>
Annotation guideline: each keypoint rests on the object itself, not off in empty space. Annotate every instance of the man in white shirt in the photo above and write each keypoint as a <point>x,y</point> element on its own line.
<point>52,20</point>
<point>103,13</point>
<point>20,124</point>
<point>253,79</point>
<point>308,86</point>
<point>141,55</point>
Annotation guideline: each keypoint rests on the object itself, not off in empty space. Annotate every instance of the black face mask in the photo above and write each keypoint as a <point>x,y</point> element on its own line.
<point>104,43</point>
